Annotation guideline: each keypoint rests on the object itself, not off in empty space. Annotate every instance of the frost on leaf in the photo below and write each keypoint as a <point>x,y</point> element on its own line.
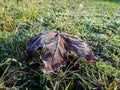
<point>55,46</point>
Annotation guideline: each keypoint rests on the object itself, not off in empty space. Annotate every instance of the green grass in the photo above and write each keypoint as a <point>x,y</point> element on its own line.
<point>98,22</point>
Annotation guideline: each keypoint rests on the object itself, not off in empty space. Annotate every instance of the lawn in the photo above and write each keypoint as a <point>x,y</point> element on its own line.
<point>97,21</point>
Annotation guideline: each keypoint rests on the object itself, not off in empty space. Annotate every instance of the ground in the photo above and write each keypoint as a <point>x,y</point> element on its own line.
<point>97,21</point>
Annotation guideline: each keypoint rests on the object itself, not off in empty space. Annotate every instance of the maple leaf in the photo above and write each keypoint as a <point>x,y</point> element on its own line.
<point>55,48</point>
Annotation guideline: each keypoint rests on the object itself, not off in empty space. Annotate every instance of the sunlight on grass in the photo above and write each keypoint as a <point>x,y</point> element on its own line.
<point>96,21</point>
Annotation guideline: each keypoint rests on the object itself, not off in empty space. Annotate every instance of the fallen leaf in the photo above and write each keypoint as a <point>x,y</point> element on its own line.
<point>55,47</point>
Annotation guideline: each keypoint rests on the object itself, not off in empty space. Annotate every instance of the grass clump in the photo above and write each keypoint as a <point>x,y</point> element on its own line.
<point>96,21</point>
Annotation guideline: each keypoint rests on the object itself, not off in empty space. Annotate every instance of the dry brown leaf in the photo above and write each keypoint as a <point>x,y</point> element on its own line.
<point>55,47</point>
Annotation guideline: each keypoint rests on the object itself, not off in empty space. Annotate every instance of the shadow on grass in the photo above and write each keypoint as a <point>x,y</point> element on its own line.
<point>113,1</point>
